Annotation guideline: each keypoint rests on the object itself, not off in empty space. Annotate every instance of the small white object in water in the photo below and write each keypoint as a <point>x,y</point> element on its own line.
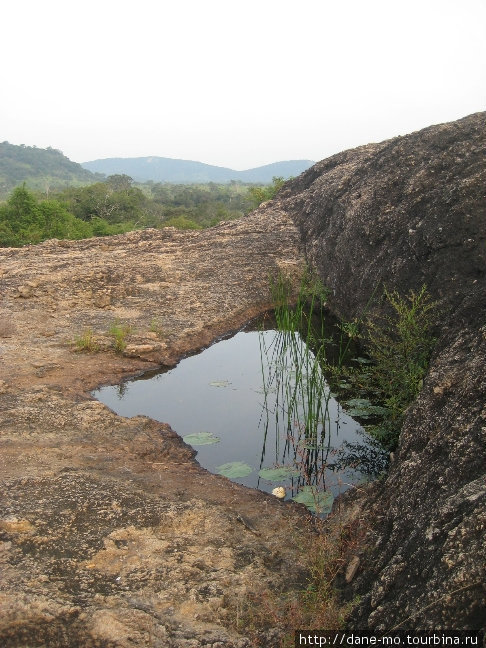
<point>279,492</point>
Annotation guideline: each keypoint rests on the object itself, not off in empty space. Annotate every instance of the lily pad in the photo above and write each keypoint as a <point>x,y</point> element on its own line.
<point>344,385</point>
<point>201,438</point>
<point>220,383</point>
<point>363,408</point>
<point>278,474</point>
<point>317,502</point>
<point>358,402</point>
<point>234,469</point>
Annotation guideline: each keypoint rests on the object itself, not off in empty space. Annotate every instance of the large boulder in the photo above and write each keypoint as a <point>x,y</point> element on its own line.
<point>407,212</point>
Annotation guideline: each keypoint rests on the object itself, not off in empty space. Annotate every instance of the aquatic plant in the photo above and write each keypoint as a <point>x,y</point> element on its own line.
<point>201,438</point>
<point>279,492</point>
<point>296,395</point>
<point>234,469</point>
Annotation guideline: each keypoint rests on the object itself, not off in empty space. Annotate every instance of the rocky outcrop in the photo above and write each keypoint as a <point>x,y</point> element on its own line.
<point>112,535</point>
<point>408,212</point>
<point>110,532</point>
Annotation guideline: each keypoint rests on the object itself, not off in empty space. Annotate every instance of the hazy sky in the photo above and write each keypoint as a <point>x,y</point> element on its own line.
<point>235,83</point>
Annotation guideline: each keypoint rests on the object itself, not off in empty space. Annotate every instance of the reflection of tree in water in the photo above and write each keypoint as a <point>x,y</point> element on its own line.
<point>121,390</point>
<point>369,457</point>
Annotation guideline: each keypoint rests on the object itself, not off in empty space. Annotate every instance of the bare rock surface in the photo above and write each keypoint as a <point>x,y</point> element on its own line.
<point>407,212</point>
<point>111,534</point>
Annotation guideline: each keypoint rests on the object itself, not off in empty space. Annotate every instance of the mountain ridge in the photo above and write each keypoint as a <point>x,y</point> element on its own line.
<point>163,169</point>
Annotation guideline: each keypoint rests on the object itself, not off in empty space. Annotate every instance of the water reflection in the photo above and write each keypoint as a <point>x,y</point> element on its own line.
<point>266,410</point>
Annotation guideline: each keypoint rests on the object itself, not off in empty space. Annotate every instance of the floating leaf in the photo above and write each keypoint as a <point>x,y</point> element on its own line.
<point>361,413</point>
<point>278,474</point>
<point>201,438</point>
<point>363,408</point>
<point>220,383</point>
<point>234,469</point>
<point>366,412</point>
<point>362,360</point>
<point>358,402</point>
<point>317,502</point>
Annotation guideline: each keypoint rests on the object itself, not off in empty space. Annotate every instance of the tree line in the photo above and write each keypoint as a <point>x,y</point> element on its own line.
<point>117,205</point>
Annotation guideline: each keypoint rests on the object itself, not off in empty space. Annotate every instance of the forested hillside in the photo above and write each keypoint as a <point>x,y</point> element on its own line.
<point>40,169</point>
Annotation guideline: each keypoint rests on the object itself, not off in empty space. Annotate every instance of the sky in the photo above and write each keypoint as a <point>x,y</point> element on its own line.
<point>235,83</point>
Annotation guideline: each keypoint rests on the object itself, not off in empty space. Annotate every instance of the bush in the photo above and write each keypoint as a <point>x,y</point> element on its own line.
<point>400,344</point>
<point>181,222</point>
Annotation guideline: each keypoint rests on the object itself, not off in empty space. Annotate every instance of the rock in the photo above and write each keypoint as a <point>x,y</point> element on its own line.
<point>93,500</point>
<point>408,212</point>
<point>25,291</point>
<point>103,300</point>
<point>351,569</point>
<point>139,350</point>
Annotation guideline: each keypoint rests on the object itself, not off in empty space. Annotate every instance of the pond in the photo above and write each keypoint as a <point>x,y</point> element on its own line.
<point>239,403</point>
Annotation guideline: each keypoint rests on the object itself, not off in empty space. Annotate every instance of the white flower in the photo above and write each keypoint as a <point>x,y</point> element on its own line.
<point>279,492</point>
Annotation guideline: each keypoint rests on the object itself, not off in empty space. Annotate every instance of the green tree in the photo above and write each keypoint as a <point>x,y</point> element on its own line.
<point>23,219</point>
<point>119,181</point>
<point>21,210</point>
<point>258,195</point>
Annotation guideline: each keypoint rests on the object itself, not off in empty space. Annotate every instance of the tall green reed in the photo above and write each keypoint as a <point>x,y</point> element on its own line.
<point>296,395</point>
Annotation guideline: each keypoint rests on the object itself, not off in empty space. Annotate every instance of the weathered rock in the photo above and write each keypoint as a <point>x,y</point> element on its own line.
<point>110,532</point>
<point>408,212</point>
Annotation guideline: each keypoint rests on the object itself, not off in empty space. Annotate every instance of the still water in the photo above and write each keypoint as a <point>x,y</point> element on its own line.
<point>233,390</point>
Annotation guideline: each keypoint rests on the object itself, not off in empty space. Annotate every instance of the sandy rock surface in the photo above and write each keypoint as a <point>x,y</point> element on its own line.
<point>110,532</point>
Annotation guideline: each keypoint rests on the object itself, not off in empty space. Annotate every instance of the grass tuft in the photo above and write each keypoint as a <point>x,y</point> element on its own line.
<point>156,327</point>
<point>119,333</point>
<point>86,341</point>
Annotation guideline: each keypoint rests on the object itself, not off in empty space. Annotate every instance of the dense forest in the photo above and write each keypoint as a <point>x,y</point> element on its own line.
<point>117,205</point>
<point>46,195</point>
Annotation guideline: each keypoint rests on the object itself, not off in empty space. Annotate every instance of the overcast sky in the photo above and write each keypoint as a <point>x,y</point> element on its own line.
<point>235,83</point>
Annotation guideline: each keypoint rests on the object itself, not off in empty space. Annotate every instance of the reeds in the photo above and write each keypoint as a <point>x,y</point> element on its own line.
<point>296,395</point>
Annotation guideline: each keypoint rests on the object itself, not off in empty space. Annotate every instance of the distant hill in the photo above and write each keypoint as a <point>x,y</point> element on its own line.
<point>160,169</point>
<point>42,169</point>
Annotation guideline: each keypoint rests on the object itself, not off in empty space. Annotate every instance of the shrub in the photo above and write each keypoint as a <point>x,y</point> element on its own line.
<point>400,344</point>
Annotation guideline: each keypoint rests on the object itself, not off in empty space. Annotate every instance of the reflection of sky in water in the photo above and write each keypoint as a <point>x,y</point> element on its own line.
<point>231,408</point>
